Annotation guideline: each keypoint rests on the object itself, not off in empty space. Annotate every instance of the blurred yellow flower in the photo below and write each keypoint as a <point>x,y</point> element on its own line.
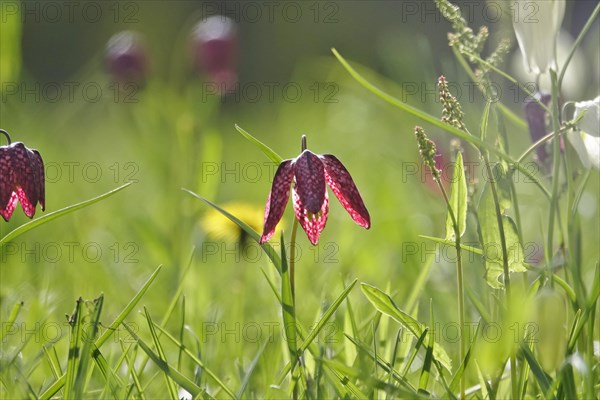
<point>219,227</point>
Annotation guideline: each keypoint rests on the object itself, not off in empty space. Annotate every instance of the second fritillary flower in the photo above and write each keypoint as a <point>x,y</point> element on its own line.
<point>310,173</point>
<point>21,179</point>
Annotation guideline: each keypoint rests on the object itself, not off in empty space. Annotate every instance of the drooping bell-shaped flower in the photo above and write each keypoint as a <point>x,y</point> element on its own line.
<point>21,179</point>
<point>126,58</point>
<point>537,24</point>
<point>586,139</point>
<point>214,46</point>
<point>311,173</point>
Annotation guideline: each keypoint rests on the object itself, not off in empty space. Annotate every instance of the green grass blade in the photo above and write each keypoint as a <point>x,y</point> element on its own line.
<point>414,353</point>
<point>114,382</point>
<point>12,317</point>
<point>463,365</point>
<point>134,375</point>
<point>56,214</point>
<point>325,318</point>
<point>384,365</point>
<point>470,249</point>
<point>426,370</point>
<point>130,306</point>
<point>261,146</point>
<point>86,349</point>
<point>543,380</point>
<point>75,335</point>
<point>416,112</point>
<point>181,379</point>
<point>52,362</point>
<point>173,304</point>
<point>268,249</point>
<point>196,360</point>
<point>251,369</point>
<point>351,388</point>
<point>162,356</point>
<point>483,125</point>
<point>57,385</point>
<point>289,313</point>
<point>318,327</point>
<point>386,305</point>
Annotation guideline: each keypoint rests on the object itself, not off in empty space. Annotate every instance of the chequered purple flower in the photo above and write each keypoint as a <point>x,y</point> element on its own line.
<point>311,202</point>
<point>21,179</point>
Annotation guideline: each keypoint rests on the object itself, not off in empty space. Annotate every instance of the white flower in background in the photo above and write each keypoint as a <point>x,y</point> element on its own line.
<point>537,24</point>
<point>586,140</point>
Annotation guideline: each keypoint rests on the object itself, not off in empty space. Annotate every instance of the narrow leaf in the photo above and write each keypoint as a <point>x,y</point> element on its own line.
<point>263,147</point>
<point>267,248</point>
<point>58,384</point>
<point>56,214</point>
<point>458,200</point>
<point>288,309</point>
<point>181,379</point>
<point>492,245</point>
<point>386,305</point>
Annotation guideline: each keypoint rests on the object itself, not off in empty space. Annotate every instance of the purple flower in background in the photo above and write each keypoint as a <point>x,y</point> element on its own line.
<point>214,42</point>
<point>126,58</point>
<point>536,120</point>
<point>21,179</point>
<point>311,202</point>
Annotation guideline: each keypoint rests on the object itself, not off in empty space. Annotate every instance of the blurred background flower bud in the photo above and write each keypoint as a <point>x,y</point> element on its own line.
<point>214,46</point>
<point>126,58</point>
<point>537,122</point>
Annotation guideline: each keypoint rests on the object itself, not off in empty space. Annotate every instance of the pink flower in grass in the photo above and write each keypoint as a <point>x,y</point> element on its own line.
<point>21,179</point>
<point>311,203</point>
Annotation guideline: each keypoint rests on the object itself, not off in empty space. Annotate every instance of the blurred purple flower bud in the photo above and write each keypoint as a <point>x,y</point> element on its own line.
<point>214,46</point>
<point>126,57</point>
<point>536,119</point>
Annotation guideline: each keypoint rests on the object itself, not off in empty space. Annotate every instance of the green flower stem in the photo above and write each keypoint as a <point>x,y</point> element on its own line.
<point>555,167</point>
<point>7,135</point>
<point>534,146</point>
<point>582,34</point>
<point>513,361</point>
<point>460,285</point>
<point>293,260</point>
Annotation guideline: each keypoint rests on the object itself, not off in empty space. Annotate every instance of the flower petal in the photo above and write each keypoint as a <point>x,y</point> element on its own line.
<point>310,181</point>
<point>26,205</point>
<point>278,198</point>
<point>6,178</point>
<point>345,190</point>
<point>38,171</point>
<point>592,146</point>
<point>7,211</point>
<point>312,223</point>
<point>590,122</point>
<point>25,177</point>
<point>576,140</point>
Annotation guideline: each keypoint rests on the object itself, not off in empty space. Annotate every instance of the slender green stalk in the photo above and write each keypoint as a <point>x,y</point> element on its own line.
<point>460,285</point>
<point>580,37</point>
<point>293,260</point>
<point>513,362</point>
<point>555,167</point>
<point>7,135</point>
